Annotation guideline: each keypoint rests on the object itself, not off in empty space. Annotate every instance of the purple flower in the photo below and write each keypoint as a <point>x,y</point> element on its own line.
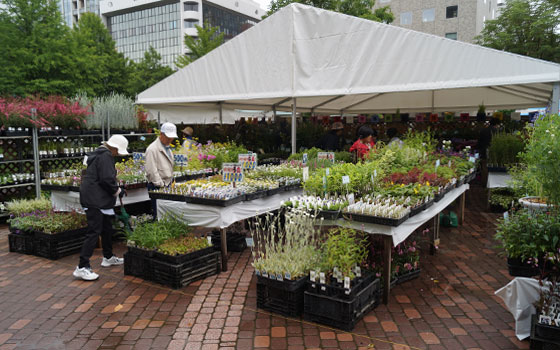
<point>210,157</point>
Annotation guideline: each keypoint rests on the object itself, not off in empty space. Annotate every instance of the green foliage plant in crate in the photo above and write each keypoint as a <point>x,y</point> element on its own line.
<point>504,149</point>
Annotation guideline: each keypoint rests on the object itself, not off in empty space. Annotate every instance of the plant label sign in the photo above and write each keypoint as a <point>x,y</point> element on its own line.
<point>305,174</point>
<point>326,155</point>
<point>232,172</point>
<point>180,159</point>
<point>248,160</point>
<point>345,180</point>
<point>328,171</point>
<point>351,199</point>
<point>138,156</point>
<point>438,163</point>
<point>305,158</point>
<point>472,159</point>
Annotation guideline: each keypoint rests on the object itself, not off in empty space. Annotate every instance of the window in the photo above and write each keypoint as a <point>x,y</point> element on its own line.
<point>191,6</point>
<point>406,18</point>
<point>451,11</point>
<point>452,36</point>
<point>190,23</point>
<point>428,15</point>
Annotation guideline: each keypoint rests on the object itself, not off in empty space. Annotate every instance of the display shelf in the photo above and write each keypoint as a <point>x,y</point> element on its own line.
<point>18,185</point>
<point>14,137</point>
<point>15,161</point>
<point>74,136</point>
<point>61,158</point>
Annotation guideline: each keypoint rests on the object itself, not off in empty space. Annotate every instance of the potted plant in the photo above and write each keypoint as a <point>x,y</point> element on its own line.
<point>504,151</point>
<point>545,323</point>
<point>481,114</point>
<point>542,156</point>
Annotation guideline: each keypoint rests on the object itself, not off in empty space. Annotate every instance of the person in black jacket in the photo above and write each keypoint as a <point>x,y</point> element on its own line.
<point>98,195</point>
<point>331,140</point>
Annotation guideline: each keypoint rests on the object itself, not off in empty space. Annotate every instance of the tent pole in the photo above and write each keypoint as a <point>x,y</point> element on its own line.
<point>221,116</point>
<point>294,126</point>
<point>555,97</point>
<point>158,120</point>
<point>274,114</point>
<point>433,93</point>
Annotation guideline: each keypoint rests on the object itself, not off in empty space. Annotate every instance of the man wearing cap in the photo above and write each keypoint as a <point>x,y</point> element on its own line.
<point>159,161</point>
<point>331,140</point>
<point>98,195</point>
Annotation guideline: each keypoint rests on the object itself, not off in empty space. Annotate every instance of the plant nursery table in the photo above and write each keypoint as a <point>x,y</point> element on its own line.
<point>70,200</point>
<point>394,235</point>
<point>210,216</point>
<point>496,180</point>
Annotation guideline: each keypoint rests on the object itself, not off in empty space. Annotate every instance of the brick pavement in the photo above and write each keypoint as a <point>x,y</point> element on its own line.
<point>450,306</point>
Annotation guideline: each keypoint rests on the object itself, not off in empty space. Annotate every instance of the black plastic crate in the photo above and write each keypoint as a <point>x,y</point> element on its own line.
<point>417,209</point>
<point>180,275</point>
<point>375,219</point>
<point>544,337</point>
<point>328,214</point>
<point>405,277</point>
<point>281,297</point>
<point>255,195</point>
<point>340,313</point>
<point>274,191</point>
<point>58,245</point>
<point>183,258</point>
<point>140,251</point>
<point>167,196</point>
<point>21,243</point>
<point>138,265</point>
<point>235,242</point>
<point>337,290</point>
<point>214,202</point>
<point>518,268</point>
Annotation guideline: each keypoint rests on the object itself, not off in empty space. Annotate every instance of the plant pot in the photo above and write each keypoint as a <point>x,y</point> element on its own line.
<point>526,202</point>
<point>519,268</point>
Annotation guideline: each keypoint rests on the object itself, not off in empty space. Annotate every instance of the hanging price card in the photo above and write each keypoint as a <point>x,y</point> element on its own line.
<point>232,172</point>
<point>305,158</point>
<point>326,155</point>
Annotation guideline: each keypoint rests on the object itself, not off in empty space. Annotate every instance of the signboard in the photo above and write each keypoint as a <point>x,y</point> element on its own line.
<point>137,156</point>
<point>326,155</point>
<point>232,172</point>
<point>248,160</point>
<point>180,159</point>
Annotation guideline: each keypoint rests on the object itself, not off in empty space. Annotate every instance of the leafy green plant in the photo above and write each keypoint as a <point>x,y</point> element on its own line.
<point>183,245</point>
<point>49,222</point>
<point>542,156</point>
<point>344,249</point>
<point>527,234</point>
<point>504,149</point>
<point>152,235</point>
<point>503,197</point>
<point>19,207</point>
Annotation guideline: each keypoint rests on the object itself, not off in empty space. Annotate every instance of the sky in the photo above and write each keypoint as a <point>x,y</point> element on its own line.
<point>264,3</point>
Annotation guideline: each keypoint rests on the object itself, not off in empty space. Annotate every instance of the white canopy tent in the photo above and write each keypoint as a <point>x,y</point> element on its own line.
<point>202,115</point>
<point>311,60</point>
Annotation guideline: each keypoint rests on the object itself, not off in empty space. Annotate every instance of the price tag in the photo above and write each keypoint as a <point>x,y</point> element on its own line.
<point>347,284</point>
<point>438,163</point>
<point>264,274</point>
<point>449,164</point>
<point>506,216</point>
<point>288,276</point>
<point>328,171</point>
<point>248,160</point>
<point>375,172</point>
<point>472,159</point>
<point>322,280</point>
<point>305,174</point>
<point>257,272</point>
<point>209,238</point>
<point>305,158</point>
<point>345,180</point>
<point>351,199</point>
<point>476,155</point>
<point>358,271</point>
<point>312,275</point>
<point>279,277</point>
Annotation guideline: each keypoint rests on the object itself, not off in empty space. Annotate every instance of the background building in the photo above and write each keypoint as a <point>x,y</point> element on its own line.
<point>454,19</point>
<point>138,24</point>
<point>72,9</point>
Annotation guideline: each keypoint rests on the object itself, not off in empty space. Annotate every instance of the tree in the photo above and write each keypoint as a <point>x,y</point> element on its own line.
<point>207,40</point>
<point>147,72</point>
<point>102,69</point>
<point>357,8</point>
<point>526,27</point>
<point>36,55</point>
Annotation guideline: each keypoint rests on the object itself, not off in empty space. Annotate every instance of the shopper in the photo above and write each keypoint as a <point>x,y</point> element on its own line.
<point>331,140</point>
<point>364,143</point>
<point>189,143</point>
<point>98,195</point>
<point>392,134</point>
<point>159,161</point>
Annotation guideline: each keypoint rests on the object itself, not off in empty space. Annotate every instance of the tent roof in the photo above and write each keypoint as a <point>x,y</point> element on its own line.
<point>336,63</point>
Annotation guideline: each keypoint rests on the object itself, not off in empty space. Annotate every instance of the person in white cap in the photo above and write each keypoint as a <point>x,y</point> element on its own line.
<point>98,195</point>
<point>159,161</point>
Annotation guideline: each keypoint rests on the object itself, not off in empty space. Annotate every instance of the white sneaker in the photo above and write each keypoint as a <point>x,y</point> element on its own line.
<point>85,273</point>
<point>112,261</point>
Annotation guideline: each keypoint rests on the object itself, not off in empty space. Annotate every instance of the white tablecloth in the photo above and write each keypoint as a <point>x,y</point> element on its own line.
<point>69,200</point>
<point>222,217</point>
<point>401,232</point>
<point>498,180</point>
<point>519,295</point>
